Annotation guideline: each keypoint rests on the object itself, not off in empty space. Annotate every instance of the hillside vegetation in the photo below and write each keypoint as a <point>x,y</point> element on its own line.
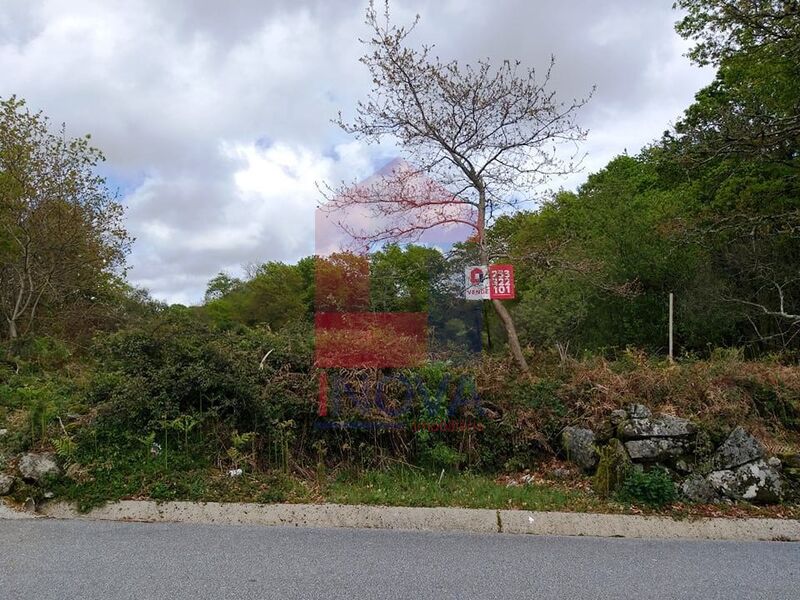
<point>138,398</point>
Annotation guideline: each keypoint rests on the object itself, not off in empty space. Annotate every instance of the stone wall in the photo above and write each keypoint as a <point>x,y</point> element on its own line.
<point>738,469</point>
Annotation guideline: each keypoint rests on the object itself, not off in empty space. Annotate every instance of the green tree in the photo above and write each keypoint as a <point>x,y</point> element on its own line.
<point>276,295</point>
<point>401,279</point>
<point>221,285</point>
<point>740,144</point>
<point>62,235</point>
<point>751,109</point>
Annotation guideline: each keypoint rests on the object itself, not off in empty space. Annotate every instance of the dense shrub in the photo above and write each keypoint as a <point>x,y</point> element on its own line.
<point>179,365</point>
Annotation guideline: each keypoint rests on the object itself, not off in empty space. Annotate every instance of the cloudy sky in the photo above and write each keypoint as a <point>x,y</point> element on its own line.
<point>215,116</point>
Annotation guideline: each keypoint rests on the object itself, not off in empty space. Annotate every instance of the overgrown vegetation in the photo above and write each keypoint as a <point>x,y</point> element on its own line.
<point>167,409</point>
<point>143,400</point>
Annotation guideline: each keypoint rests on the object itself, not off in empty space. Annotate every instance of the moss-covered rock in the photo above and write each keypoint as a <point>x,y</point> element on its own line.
<point>579,447</point>
<point>791,473</point>
<point>703,446</point>
<point>756,482</point>
<point>612,468</point>
<point>791,461</point>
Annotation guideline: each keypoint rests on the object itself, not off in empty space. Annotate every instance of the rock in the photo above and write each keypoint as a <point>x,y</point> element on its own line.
<point>604,432</point>
<point>639,411</point>
<point>34,466</point>
<point>774,462</point>
<point>608,429</point>
<point>3,432</point>
<point>654,449</point>
<point>612,468</point>
<point>683,466</point>
<point>755,482</point>
<point>617,416</point>
<point>698,489</point>
<point>29,506</point>
<point>6,483</point>
<point>740,448</point>
<point>49,495</point>
<point>578,445</point>
<point>659,426</point>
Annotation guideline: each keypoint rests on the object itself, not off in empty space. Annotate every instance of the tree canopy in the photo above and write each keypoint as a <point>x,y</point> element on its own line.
<point>62,241</point>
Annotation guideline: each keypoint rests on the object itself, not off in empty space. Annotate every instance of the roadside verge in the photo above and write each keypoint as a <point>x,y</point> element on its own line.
<point>434,519</point>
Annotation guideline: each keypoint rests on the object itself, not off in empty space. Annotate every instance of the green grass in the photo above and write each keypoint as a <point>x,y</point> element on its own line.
<point>411,487</point>
<point>118,471</point>
<point>128,477</point>
<point>198,484</point>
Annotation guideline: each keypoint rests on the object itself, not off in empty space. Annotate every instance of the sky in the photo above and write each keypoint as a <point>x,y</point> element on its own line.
<point>215,117</point>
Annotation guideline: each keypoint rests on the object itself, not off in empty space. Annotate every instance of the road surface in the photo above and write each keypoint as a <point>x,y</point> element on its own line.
<point>46,559</point>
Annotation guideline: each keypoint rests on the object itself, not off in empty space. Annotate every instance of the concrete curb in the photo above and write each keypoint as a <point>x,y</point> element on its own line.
<point>634,526</point>
<point>435,519</point>
<point>10,512</point>
<point>298,515</point>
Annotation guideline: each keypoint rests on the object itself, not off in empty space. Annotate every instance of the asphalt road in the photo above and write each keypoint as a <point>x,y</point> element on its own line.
<point>43,559</point>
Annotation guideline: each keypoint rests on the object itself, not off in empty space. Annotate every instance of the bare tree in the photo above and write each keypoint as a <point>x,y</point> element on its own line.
<point>484,134</point>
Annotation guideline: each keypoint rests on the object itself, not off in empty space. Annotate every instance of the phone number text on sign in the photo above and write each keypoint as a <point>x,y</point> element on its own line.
<point>501,282</point>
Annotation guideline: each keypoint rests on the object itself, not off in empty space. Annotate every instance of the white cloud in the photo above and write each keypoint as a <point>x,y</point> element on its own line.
<point>266,212</point>
<point>216,122</point>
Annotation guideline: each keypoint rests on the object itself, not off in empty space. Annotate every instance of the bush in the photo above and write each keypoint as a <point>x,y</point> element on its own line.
<point>38,353</point>
<point>439,455</point>
<point>651,488</point>
<point>178,365</point>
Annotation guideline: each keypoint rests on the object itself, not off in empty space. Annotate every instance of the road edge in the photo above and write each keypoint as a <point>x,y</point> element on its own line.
<point>433,519</point>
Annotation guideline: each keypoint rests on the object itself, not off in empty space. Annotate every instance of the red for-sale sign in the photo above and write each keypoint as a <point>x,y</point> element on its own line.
<point>501,282</point>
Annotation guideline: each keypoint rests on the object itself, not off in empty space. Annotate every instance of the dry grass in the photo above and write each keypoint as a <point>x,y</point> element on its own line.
<point>763,397</point>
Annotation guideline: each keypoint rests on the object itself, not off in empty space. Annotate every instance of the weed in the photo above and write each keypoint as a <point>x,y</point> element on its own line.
<point>652,488</point>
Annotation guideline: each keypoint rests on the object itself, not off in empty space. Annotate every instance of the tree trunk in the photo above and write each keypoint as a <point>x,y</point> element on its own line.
<point>12,329</point>
<point>502,312</point>
<point>511,331</point>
